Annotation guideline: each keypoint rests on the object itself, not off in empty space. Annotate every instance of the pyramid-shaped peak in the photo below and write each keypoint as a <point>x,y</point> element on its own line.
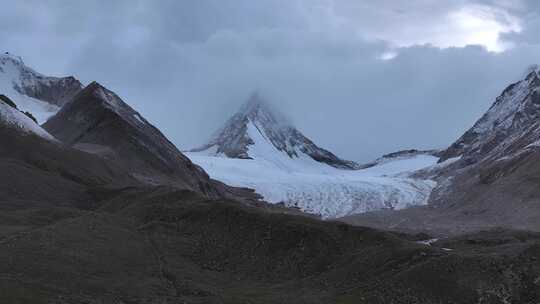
<point>96,92</point>
<point>258,108</point>
<point>532,71</point>
<point>93,87</point>
<point>255,103</point>
<point>258,130</point>
<point>255,99</point>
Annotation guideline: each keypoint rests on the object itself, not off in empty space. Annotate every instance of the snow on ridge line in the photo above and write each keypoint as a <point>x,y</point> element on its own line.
<point>11,70</point>
<point>15,118</point>
<point>234,140</point>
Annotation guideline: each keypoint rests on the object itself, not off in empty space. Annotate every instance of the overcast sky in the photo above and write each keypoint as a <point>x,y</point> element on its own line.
<point>359,77</point>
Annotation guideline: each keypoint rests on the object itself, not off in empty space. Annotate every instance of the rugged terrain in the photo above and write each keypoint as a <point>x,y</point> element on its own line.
<point>82,222</point>
<point>97,121</point>
<point>492,175</point>
<point>34,92</point>
<point>161,245</point>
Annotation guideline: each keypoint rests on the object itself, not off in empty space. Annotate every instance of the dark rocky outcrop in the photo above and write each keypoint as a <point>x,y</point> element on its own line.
<point>8,101</point>
<point>54,90</point>
<point>97,121</point>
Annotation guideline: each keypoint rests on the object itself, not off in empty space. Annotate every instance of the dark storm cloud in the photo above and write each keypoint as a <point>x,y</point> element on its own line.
<point>187,65</point>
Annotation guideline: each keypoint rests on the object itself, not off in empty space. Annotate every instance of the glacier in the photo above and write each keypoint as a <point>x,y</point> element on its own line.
<point>316,187</point>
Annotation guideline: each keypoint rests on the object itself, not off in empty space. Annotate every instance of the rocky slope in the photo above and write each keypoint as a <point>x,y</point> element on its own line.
<point>34,92</point>
<point>511,121</point>
<point>37,171</point>
<point>97,121</point>
<point>11,117</point>
<point>492,172</point>
<point>234,141</point>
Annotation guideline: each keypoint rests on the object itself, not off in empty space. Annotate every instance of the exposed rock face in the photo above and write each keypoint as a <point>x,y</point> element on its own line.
<point>8,101</point>
<point>234,141</point>
<point>53,90</point>
<point>98,121</point>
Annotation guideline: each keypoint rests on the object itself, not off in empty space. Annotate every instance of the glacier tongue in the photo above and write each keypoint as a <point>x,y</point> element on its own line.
<point>316,187</point>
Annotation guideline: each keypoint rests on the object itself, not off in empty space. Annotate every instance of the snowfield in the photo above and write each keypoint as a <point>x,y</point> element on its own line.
<point>14,118</point>
<point>316,187</point>
<point>11,69</point>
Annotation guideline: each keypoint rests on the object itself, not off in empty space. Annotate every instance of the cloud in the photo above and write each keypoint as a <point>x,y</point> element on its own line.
<point>361,78</point>
<point>442,24</point>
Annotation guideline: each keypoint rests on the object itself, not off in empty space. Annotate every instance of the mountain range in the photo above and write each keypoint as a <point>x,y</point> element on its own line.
<point>98,206</point>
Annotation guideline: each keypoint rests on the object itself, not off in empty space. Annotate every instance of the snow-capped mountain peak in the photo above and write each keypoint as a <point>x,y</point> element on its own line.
<point>257,109</point>
<point>237,139</point>
<point>515,100</point>
<point>513,115</point>
<point>32,91</point>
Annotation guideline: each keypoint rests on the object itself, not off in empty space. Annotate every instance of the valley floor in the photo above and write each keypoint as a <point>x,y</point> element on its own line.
<point>161,245</point>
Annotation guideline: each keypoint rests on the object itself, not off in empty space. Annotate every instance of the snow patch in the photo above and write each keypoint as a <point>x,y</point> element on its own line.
<point>14,118</point>
<point>13,74</point>
<point>427,242</point>
<point>139,118</point>
<point>109,98</point>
